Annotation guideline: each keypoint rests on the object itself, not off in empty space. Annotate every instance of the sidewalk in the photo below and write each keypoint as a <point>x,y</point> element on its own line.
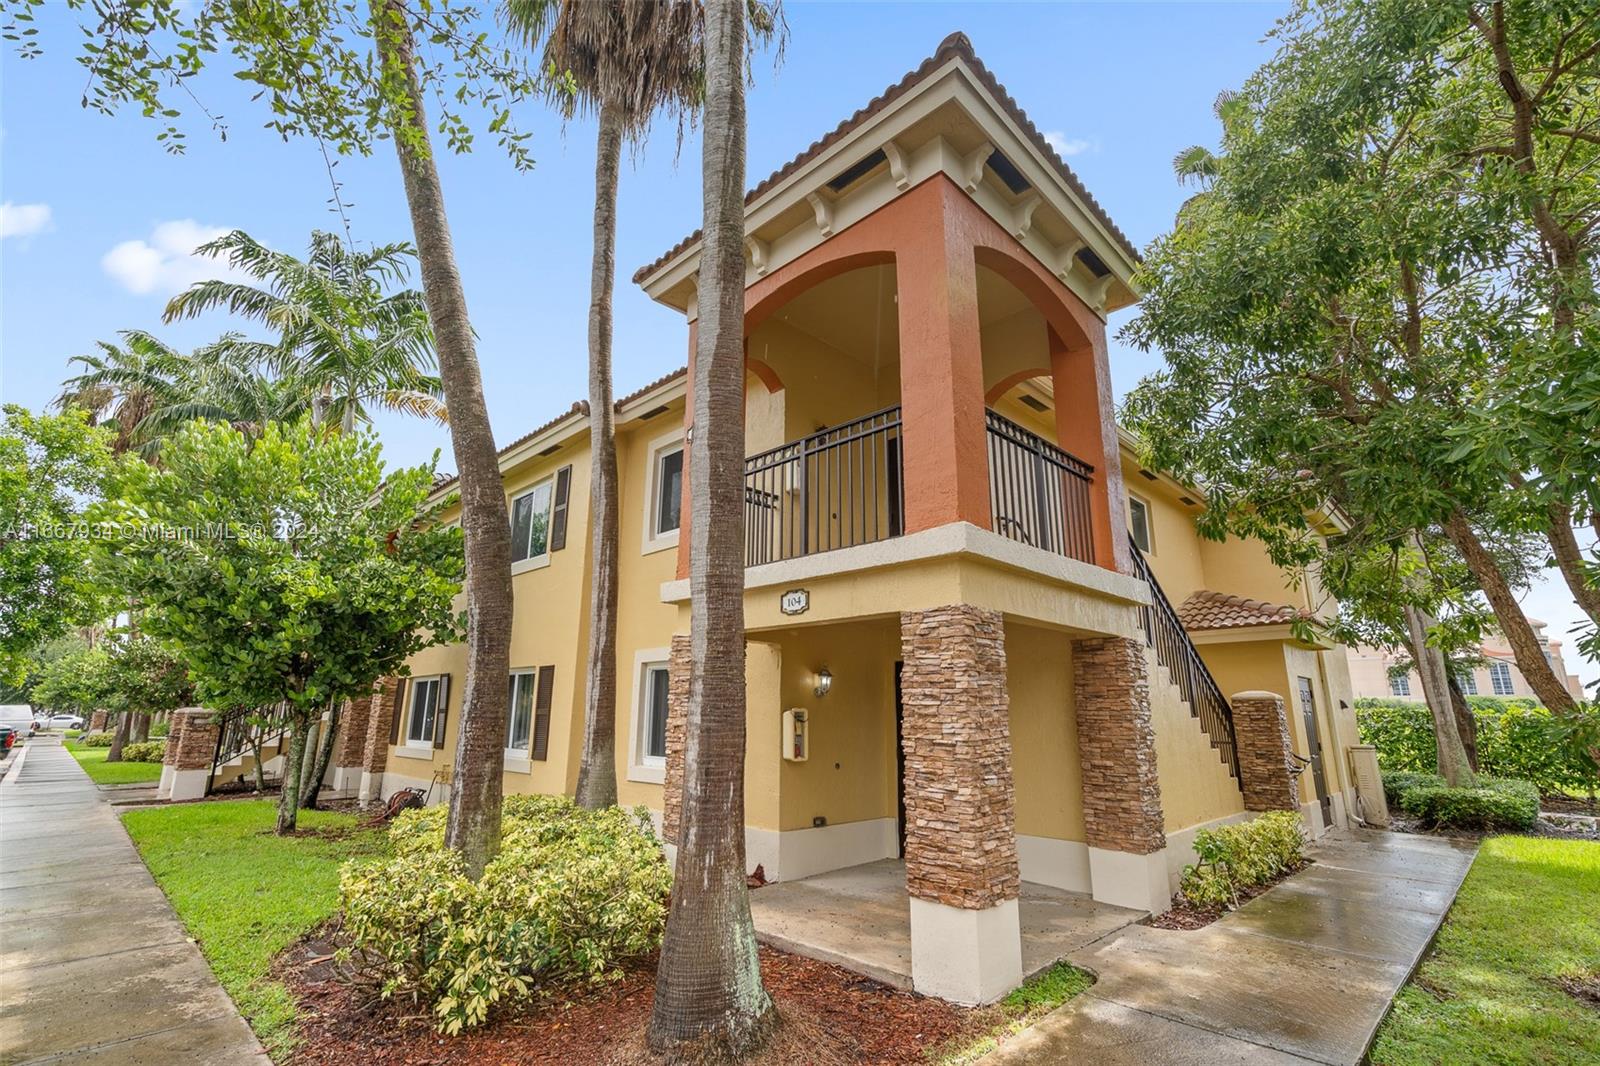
<point>93,963</point>
<point>1301,974</point>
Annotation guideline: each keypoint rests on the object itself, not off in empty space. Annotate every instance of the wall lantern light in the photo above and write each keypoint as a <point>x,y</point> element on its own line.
<point>824,681</point>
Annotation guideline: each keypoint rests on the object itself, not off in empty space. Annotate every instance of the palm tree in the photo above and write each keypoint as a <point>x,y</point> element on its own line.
<point>122,384</point>
<point>473,825</point>
<point>339,328</point>
<point>624,60</point>
<point>709,998</point>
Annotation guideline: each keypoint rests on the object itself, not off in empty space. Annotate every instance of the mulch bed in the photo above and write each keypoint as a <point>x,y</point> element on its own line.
<point>1585,988</point>
<point>830,1015</point>
<point>1186,915</point>
<point>1568,804</point>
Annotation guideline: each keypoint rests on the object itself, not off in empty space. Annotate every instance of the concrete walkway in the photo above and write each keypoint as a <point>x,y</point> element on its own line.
<point>94,965</point>
<point>1301,974</point>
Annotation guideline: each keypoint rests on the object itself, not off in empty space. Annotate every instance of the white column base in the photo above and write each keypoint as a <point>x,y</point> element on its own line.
<point>371,787</point>
<point>965,956</point>
<point>1124,879</point>
<point>1312,813</point>
<point>344,778</point>
<point>164,787</point>
<point>188,784</point>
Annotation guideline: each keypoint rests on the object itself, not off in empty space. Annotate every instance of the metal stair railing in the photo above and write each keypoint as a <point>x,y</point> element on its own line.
<point>1164,632</point>
<point>238,734</point>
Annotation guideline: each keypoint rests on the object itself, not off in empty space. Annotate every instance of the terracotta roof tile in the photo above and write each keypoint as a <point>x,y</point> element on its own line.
<point>1216,610</point>
<point>957,44</point>
<point>579,407</point>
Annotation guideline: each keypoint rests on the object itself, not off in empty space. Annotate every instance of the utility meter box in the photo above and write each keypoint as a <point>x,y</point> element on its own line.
<point>796,734</point>
<point>1369,784</point>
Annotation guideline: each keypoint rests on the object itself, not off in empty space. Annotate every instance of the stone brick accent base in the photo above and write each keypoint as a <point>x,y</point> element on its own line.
<point>197,739</point>
<point>678,667</point>
<point>1117,746</point>
<point>350,746</point>
<point>97,722</point>
<point>961,843</point>
<point>1261,729</point>
<point>380,716</point>
<point>169,757</point>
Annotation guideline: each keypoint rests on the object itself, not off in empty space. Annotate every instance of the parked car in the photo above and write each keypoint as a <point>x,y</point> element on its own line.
<point>59,721</point>
<point>18,716</point>
<point>8,737</point>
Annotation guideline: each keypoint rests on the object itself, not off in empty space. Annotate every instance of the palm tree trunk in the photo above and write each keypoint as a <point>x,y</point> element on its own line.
<point>319,769</point>
<point>473,827</point>
<point>1525,646</point>
<point>1452,753</point>
<point>597,769</point>
<point>709,998</point>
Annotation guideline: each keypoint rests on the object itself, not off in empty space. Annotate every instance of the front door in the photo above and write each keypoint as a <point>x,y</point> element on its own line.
<point>900,758</point>
<point>1308,711</point>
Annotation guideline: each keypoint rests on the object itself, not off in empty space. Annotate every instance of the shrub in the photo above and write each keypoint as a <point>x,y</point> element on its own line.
<point>571,895</point>
<point>1238,856</point>
<point>1515,739</point>
<point>144,751</point>
<point>1497,803</point>
<point>159,730</point>
<point>1397,784</point>
<point>97,740</point>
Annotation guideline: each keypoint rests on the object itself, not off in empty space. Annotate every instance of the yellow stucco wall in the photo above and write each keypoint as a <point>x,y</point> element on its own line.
<point>1044,739</point>
<point>1196,786</point>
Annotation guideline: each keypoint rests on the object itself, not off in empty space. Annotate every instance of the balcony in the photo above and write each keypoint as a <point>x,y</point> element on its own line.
<point>844,486</point>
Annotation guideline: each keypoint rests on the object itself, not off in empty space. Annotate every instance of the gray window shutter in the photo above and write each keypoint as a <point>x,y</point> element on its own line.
<point>558,513</point>
<point>443,712</point>
<point>398,710</point>
<point>541,712</point>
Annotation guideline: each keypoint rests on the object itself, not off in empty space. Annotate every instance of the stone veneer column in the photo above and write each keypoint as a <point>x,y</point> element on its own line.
<point>196,747</point>
<point>97,722</point>
<point>1261,730</point>
<point>350,745</point>
<point>375,751</point>
<point>961,844</point>
<point>1122,817</point>
<point>679,665</point>
<point>169,756</point>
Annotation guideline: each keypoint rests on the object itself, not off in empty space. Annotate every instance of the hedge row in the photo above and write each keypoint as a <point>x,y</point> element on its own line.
<point>1497,803</point>
<point>1513,741</point>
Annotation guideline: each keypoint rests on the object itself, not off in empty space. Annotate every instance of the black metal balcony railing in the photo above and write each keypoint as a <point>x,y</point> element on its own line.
<point>837,488</point>
<point>243,730</point>
<point>1038,494</point>
<point>1164,632</point>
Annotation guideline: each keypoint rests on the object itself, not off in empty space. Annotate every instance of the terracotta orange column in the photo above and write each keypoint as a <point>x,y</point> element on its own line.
<point>941,369</point>
<point>1086,426</point>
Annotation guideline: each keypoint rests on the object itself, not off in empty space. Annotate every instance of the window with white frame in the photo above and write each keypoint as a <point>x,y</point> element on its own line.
<point>1500,679</point>
<point>519,713</point>
<point>424,710</point>
<point>1399,684</point>
<point>1468,682</point>
<point>650,717</point>
<point>664,505</point>
<point>530,523</point>
<point>1139,523</point>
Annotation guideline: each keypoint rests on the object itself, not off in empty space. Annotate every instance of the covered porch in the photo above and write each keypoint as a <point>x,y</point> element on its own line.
<point>860,918</point>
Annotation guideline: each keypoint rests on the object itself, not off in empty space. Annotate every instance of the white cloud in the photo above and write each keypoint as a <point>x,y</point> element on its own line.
<point>166,264</point>
<point>1069,146</point>
<point>24,220</point>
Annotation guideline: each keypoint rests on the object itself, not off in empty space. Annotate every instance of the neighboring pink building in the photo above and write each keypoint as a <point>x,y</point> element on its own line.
<point>1498,676</point>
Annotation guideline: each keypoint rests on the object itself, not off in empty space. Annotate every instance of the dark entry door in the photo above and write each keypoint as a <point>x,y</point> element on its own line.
<point>900,758</point>
<point>1308,711</point>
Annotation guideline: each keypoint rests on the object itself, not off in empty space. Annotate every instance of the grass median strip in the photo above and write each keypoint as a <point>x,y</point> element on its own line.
<point>93,761</point>
<point>245,894</point>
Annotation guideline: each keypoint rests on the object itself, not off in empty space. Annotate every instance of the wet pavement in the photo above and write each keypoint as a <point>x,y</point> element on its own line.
<point>94,965</point>
<point>1301,974</point>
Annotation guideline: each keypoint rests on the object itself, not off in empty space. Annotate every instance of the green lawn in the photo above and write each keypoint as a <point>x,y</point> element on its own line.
<point>1021,1007</point>
<point>246,894</point>
<point>93,761</point>
<point>1527,917</point>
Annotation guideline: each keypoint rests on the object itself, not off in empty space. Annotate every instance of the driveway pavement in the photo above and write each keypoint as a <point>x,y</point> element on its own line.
<point>94,965</point>
<point>1301,974</point>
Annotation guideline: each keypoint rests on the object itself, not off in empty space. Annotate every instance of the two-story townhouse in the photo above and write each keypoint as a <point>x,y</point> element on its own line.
<point>984,645</point>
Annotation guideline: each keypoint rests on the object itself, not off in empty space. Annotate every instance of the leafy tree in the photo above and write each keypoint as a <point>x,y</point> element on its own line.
<point>50,467</point>
<point>349,74</point>
<point>341,333</point>
<point>287,569</point>
<point>73,683</point>
<point>139,678</point>
<point>709,997</point>
<point>1344,306</point>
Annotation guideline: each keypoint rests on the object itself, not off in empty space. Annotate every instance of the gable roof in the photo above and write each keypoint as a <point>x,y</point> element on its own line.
<point>956,45</point>
<point>1218,610</point>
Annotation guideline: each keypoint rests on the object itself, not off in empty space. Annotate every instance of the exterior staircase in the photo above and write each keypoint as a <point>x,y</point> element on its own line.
<point>237,738</point>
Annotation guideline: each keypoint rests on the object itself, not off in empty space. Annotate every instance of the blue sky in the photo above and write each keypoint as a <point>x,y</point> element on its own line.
<point>99,217</point>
